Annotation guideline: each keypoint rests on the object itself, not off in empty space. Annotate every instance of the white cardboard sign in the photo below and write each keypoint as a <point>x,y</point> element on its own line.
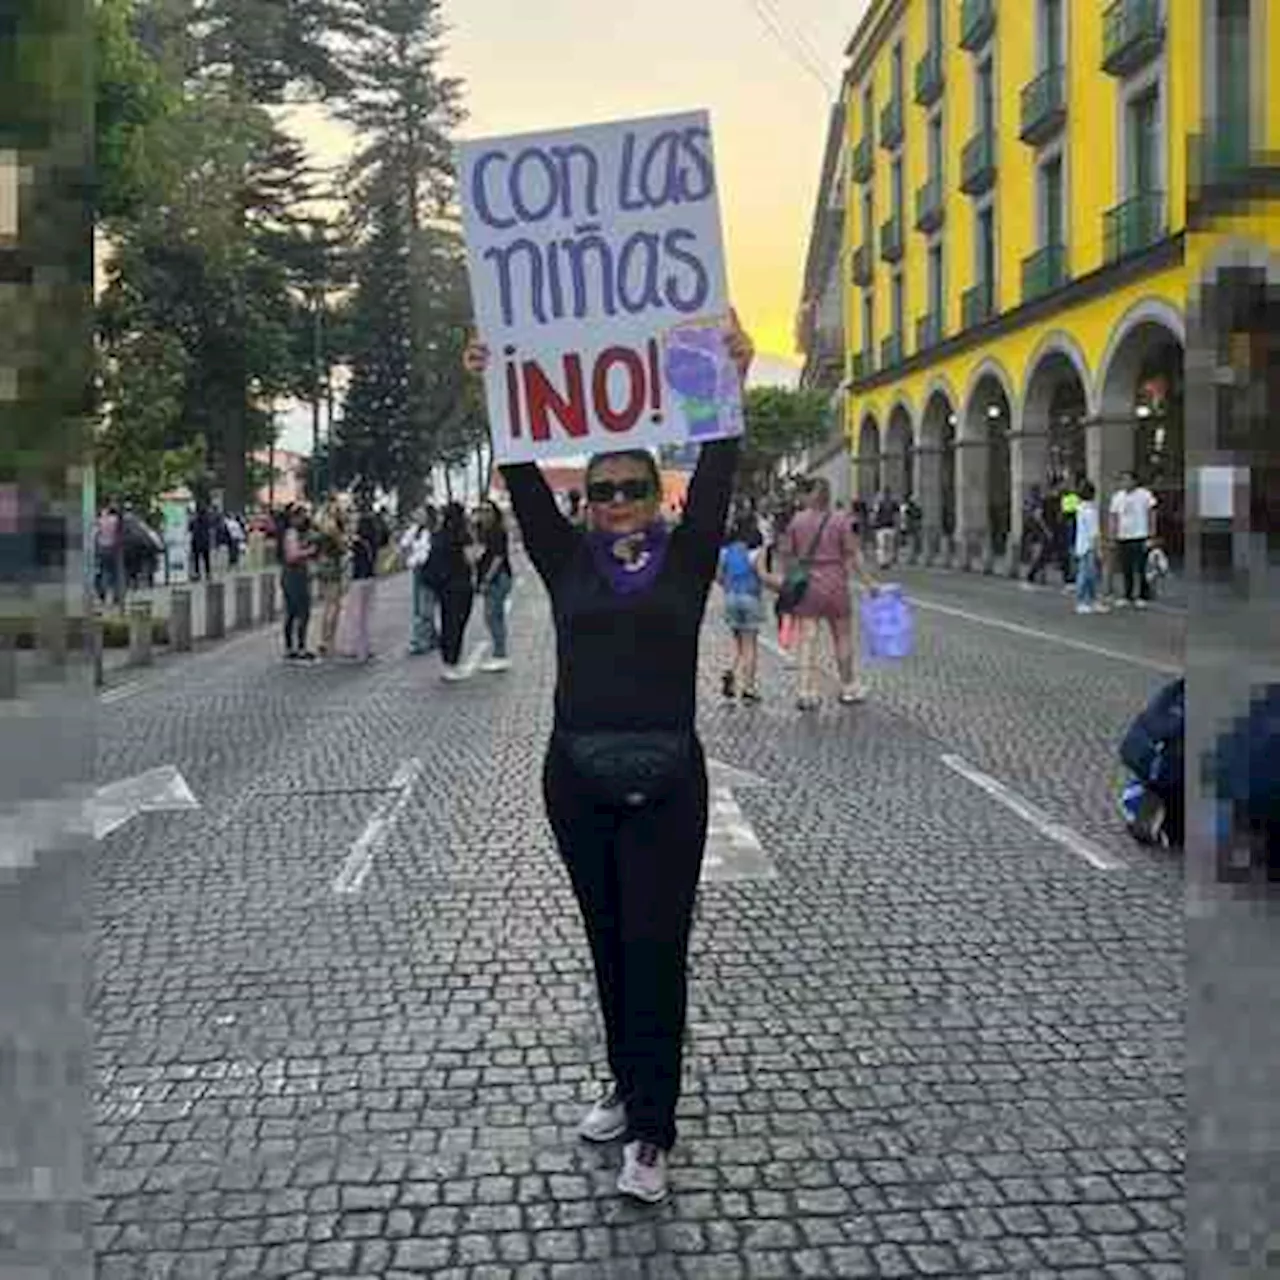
<point>598,282</point>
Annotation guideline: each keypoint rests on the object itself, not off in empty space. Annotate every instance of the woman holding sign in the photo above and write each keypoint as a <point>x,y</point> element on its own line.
<point>625,778</point>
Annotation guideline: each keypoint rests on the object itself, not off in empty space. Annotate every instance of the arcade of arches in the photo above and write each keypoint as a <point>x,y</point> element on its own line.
<point>970,461</point>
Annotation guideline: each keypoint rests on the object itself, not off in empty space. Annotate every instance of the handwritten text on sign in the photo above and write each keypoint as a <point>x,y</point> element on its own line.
<point>597,276</point>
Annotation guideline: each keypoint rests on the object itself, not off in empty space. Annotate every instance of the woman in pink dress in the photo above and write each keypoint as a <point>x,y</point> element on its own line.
<point>834,556</point>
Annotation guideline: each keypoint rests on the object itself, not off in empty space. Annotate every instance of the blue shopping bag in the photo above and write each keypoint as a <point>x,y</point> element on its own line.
<point>888,627</point>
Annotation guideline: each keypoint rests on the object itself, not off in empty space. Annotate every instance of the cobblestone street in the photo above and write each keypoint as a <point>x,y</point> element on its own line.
<point>927,1039</point>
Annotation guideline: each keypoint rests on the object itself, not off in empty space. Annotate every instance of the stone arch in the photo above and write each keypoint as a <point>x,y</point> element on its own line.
<point>899,447</point>
<point>1059,342</point>
<point>935,482</point>
<point>1145,313</point>
<point>1240,251</point>
<point>984,473</point>
<point>868,464</point>
<point>988,368</point>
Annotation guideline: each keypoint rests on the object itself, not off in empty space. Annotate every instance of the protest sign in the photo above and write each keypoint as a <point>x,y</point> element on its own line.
<point>598,281</point>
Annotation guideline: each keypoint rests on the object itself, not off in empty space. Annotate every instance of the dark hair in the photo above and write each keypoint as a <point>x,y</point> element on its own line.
<point>454,523</point>
<point>1087,491</point>
<point>642,456</point>
<point>495,511</point>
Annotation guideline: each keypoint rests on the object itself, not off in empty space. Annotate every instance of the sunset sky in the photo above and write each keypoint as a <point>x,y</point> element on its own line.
<point>559,63</point>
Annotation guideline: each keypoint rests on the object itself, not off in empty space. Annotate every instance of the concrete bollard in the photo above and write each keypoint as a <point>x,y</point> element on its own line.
<point>180,620</point>
<point>215,610</point>
<point>244,603</point>
<point>140,633</point>
<point>267,597</point>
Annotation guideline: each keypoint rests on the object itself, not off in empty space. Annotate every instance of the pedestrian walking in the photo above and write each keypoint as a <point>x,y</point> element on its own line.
<point>821,550</point>
<point>332,538</point>
<point>494,581</point>
<point>202,530</point>
<point>1036,535</point>
<point>1068,507</point>
<point>236,536</point>
<point>625,777</point>
<point>367,541</point>
<point>415,551</point>
<point>295,583</point>
<point>884,520</point>
<point>109,552</point>
<point>1132,524</point>
<point>1088,551</point>
<point>740,579</point>
<point>450,571</point>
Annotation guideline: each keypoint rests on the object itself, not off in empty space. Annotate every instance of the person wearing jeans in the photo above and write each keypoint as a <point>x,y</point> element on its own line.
<point>1088,535</point>
<point>1132,510</point>
<point>295,582</point>
<point>415,549</point>
<point>493,581</point>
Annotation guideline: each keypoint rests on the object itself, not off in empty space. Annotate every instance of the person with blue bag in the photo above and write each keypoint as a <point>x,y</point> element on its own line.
<point>1153,799</point>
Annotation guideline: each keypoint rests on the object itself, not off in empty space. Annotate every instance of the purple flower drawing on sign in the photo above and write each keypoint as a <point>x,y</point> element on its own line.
<point>701,373</point>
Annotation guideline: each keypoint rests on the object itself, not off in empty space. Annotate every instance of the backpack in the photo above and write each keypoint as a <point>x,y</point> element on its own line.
<point>740,577</point>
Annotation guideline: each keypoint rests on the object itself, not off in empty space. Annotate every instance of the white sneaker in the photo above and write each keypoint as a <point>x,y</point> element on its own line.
<point>853,694</point>
<point>1102,608</point>
<point>1139,604</point>
<point>1122,603</point>
<point>644,1172</point>
<point>606,1120</point>
<point>451,675</point>
<point>496,664</point>
<point>1084,608</point>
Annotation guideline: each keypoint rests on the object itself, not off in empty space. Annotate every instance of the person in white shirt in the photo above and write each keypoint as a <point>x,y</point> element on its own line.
<point>1088,538</point>
<point>1132,524</point>
<point>415,550</point>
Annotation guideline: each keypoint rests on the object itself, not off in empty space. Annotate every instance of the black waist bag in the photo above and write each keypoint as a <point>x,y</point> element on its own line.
<point>629,768</point>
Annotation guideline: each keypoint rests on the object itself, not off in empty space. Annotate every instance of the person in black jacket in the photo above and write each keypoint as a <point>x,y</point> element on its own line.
<point>625,779</point>
<point>449,571</point>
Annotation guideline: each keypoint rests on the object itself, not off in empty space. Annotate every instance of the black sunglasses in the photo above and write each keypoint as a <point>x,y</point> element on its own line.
<point>600,492</point>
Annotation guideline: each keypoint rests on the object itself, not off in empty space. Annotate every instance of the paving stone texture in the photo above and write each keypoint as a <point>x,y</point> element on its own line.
<point>936,1044</point>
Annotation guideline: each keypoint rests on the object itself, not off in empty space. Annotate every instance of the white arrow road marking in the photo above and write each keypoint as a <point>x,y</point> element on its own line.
<point>156,791</point>
<point>734,851</point>
<point>359,861</point>
<point>40,825</point>
<point>1055,831</point>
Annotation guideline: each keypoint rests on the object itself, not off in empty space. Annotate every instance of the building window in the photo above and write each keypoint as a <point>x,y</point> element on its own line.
<point>868,322</point>
<point>935,24</point>
<point>986,103</point>
<point>986,249</point>
<point>1051,42</point>
<point>1144,143</point>
<point>868,112</point>
<point>1231,34</point>
<point>868,214</point>
<point>897,300</point>
<point>1052,219</point>
<point>898,196</point>
<point>898,71</point>
<point>935,283</point>
<point>935,146</point>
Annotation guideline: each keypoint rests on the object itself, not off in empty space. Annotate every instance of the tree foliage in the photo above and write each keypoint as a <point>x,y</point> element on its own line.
<point>780,422</point>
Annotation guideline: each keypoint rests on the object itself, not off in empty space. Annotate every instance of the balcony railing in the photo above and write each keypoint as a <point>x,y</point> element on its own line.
<point>1044,106</point>
<point>891,238</point>
<point>977,304</point>
<point>891,351</point>
<point>978,163</point>
<point>1217,159</point>
<point>1044,271</point>
<point>1132,33</point>
<point>891,124</point>
<point>862,269</point>
<point>863,159</point>
<point>928,332</point>
<point>1135,225</point>
<point>864,365</point>
<point>929,78</point>
<point>977,22</point>
<point>929,206</point>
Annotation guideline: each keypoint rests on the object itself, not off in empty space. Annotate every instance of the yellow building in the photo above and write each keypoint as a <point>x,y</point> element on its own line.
<point>1033,192</point>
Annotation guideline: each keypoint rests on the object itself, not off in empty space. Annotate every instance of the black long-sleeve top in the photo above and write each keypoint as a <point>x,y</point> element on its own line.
<point>627,661</point>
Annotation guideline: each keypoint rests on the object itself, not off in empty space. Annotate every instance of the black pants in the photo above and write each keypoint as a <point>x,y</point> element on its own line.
<point>635,874</point>
<point>296,586</point>
<point>200,556</point>
<point>456,599</point>
<point>1133,564</point>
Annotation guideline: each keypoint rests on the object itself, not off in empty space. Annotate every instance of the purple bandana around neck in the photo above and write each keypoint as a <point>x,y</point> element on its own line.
<point>630,562</point>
